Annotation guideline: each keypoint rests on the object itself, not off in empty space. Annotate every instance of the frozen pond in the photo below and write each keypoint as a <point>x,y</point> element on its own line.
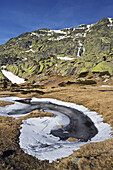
<point>35,137</point>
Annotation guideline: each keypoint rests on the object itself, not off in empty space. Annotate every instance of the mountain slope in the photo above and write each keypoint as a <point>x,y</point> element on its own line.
<point>85,48</point>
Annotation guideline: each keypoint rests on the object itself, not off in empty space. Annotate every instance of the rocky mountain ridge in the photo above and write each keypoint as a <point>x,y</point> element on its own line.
<point>71,51</point>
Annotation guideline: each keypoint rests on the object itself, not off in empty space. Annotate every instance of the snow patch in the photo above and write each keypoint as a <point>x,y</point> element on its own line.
<point>30,50</point>
<point>49,34</point>
<point>24,59</point>
<point>36,83</point>
<point>32,34</point>
<point>65,58</point>
<point>59,38</point>
<point>88,27</point>
<point>81,27</point>
<point>105,80</point>
<point>78,35</point>
<point>111,22</point>
<point>3,66</point>
<point>12,77</point>
<point>105,86</point>
<point>84,35</point>
<point>58,31</point>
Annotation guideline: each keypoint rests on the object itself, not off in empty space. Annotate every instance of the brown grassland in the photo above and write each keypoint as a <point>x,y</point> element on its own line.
<point>90,156</point>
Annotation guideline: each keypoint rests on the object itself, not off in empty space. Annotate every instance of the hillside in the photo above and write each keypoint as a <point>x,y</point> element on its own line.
<point>71,51</point>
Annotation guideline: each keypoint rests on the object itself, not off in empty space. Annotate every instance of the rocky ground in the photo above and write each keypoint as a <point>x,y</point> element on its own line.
<point>93,96</point>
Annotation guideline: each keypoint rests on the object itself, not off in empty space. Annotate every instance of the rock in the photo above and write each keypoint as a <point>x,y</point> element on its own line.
<point>103,67</point>
<point>86,81</point>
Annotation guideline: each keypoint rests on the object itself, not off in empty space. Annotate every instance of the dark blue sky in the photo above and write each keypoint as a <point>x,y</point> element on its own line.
<point>19,16</point>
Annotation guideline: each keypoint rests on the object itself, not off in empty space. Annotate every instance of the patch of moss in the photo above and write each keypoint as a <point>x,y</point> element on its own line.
<point>103,66</point>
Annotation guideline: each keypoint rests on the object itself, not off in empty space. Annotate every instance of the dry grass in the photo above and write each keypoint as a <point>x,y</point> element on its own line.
<point>91,156</point>
<point>4,103</point>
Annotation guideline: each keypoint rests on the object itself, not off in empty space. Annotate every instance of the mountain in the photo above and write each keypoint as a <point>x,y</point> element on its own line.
<point>69,51</point>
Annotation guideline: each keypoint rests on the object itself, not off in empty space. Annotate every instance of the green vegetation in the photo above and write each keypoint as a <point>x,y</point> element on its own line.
<point>103,66</point>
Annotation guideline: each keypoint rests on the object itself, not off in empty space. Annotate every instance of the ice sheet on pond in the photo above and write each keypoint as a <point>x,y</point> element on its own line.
<point>105,86</point>
<point>35,137</point>
<point>10,109</point>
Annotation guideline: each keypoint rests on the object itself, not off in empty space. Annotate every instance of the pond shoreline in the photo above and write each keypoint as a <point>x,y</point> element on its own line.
<point>80,126</point>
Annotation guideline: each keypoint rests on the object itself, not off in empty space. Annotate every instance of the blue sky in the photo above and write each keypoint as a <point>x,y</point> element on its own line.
<point>19,16</point>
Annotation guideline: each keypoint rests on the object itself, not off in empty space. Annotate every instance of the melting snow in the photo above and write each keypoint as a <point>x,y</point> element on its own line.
<point>65,58</point>
<point>106,80</point>
<point>110,20</point>
<point>24,59</point>
<point>30,51</point>
<point>34,34</point>
<point>105,86</point>
<point>88,27</point>
<point>3,66</point>
<point>58,31</point>
<point>36,83</point>
<point>111,23</point>
<point>80,27</point>
<point>59,38</point>
<point>12,77</point>
<point>35,137</point>
<point>78,35</point>
<point>49,34</point>
<point>84,35</point>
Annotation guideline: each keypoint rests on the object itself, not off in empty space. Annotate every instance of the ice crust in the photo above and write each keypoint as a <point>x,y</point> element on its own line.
<point>35,138</point>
